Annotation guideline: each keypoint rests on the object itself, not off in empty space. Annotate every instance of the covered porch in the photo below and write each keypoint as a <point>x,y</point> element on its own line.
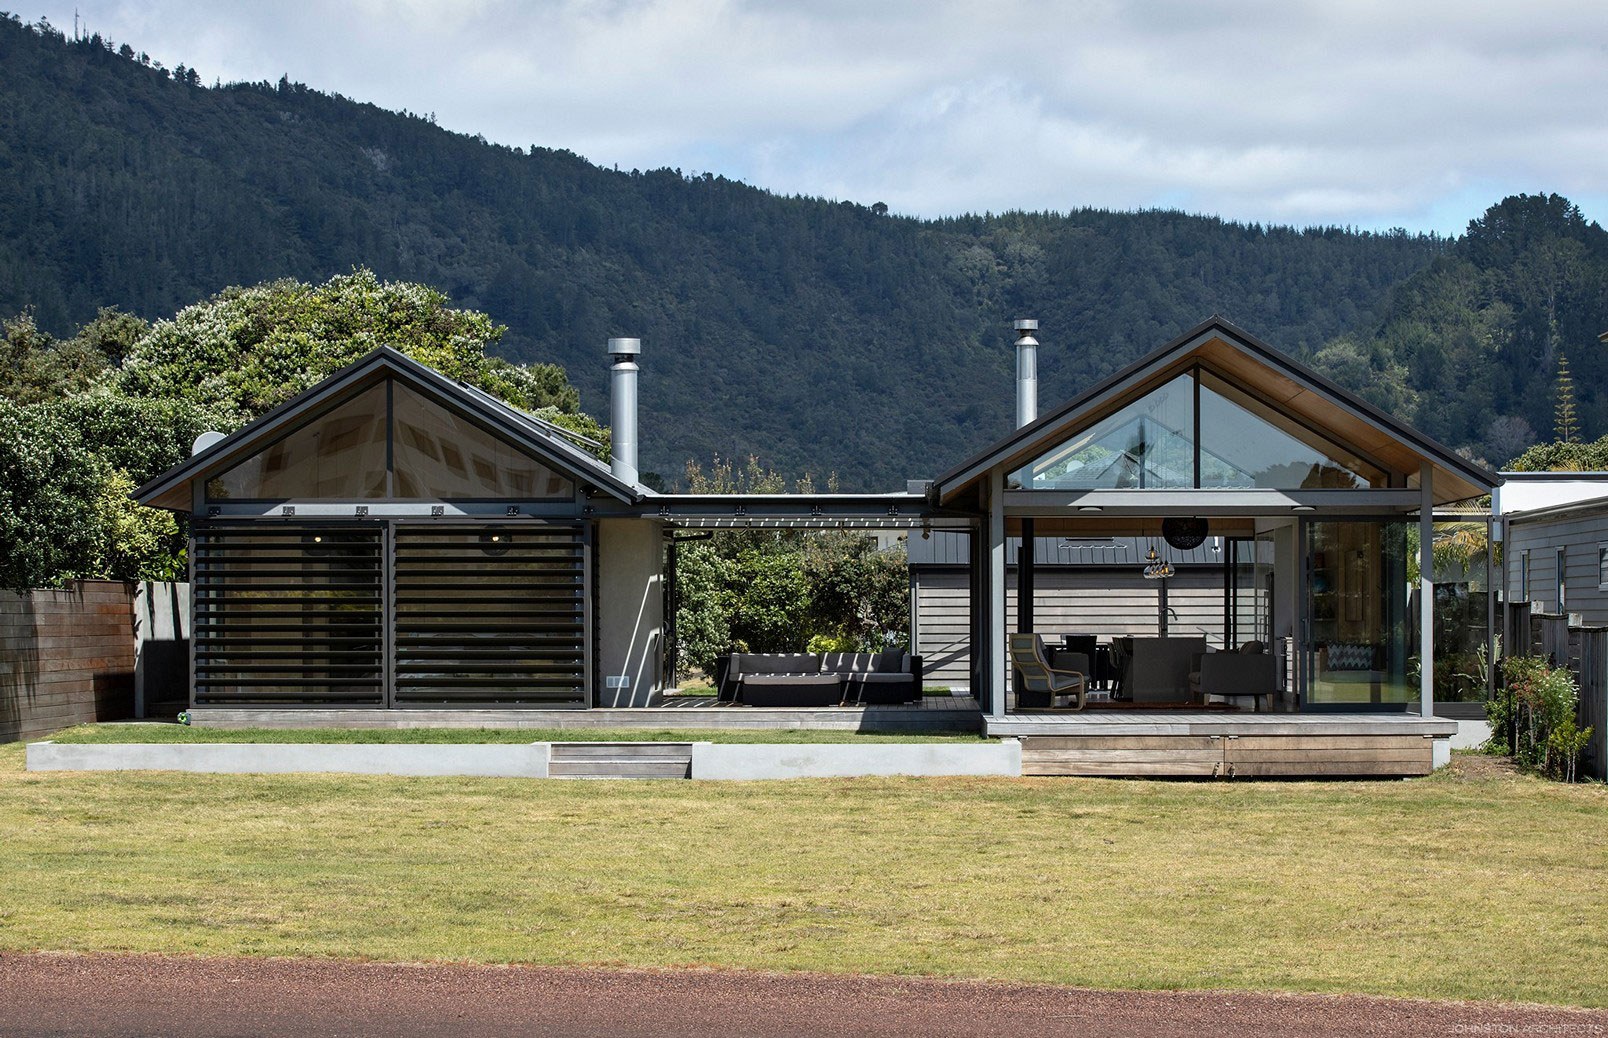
<point>1321,511</point>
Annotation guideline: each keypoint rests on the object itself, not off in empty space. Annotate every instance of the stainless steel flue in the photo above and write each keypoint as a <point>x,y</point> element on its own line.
<point>1026,371</point>
<point>623,406</point>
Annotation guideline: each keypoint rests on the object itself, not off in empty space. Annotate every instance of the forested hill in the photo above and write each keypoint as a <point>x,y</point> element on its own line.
<point>1470,348</point>
<point>820,335</point>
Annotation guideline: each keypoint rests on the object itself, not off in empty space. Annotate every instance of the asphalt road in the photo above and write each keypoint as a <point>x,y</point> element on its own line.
<point>107,996</point>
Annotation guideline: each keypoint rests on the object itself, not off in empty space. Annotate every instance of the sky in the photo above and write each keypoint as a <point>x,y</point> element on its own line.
<point>1359,113</point>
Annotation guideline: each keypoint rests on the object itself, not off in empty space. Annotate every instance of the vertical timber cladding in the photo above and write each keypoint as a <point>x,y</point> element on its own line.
<point>289,613</point>
<point>491,615</point>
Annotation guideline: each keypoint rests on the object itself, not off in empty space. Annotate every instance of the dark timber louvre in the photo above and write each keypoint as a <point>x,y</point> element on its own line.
<point>300,614</point>
<point>489,614</point>
<point>289,614</point>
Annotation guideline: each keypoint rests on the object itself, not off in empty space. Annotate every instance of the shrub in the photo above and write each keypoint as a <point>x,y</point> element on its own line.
<point>1538,707</point>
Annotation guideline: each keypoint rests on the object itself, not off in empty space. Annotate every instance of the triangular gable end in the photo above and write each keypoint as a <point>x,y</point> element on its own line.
<point>1197,431</point>
<point>387,428</point>
<point>1217,409</point>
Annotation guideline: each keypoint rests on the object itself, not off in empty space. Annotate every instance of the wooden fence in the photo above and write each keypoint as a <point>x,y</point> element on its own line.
<point>71,656</point>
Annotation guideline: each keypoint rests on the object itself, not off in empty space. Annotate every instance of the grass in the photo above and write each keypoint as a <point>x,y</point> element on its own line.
<point>1466,885</point>
<point>147,733</point>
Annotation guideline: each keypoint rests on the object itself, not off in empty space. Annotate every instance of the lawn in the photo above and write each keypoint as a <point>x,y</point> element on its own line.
<point>104,733</point>
<point>1465,885</point>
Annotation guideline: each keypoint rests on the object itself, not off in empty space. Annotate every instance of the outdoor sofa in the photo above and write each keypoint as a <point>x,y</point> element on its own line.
<point>818,679</point>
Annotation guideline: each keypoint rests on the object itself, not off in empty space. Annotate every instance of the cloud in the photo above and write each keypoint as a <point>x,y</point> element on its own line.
<point>1362,112</point>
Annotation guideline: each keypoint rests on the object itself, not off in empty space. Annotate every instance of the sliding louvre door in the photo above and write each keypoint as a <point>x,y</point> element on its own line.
<point>289,614</point>
<point>489,615</point>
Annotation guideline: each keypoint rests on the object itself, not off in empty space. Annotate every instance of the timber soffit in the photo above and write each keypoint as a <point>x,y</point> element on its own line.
<point>527,432</point>
<point>1025,443</point>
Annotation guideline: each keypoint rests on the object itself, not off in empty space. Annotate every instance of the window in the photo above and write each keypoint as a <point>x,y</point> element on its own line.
<point>1199,430</point>
<point>390,442</point>
<point>1147,445</point>
<point>1524,577</point>
<point>1559,573</point>
<point>340,454</point>
<point>1246,444</point>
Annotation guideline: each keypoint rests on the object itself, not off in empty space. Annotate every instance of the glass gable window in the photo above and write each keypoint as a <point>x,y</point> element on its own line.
<point>340,454</point>
<point>1246,444</point>
<point>390,442</point>
<point>1147,444</point>
<point>441,455</point>
<point>1243,443</point>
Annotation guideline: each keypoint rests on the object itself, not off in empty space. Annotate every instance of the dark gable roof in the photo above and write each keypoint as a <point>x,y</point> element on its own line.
<point>529,433</point>
<point>1028,442</point>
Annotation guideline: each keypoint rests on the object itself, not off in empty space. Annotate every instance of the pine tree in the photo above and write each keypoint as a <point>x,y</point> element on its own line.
<point>1567,425</point>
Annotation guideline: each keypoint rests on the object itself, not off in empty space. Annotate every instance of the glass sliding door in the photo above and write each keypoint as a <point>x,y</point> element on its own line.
<point>1358,621</point>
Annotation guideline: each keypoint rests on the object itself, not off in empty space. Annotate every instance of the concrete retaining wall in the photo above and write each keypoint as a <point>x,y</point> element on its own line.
<point>518,760</point>
<point>842,760</point>
<point>526,760</point>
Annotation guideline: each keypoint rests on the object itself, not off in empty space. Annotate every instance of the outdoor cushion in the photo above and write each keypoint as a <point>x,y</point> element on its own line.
<point>891,662</point>
<point>882,689</point>
<point>792,690</point>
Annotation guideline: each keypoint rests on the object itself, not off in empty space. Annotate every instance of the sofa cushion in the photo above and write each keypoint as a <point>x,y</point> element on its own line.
<point>891,662</point>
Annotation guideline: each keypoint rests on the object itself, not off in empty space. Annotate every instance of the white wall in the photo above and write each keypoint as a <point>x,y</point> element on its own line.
<point>1520,494</point>
<point>630,609</point>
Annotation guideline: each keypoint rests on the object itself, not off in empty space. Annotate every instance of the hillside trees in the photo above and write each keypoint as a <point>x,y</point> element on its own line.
<point>819,334</point>
<point>1483,331</point>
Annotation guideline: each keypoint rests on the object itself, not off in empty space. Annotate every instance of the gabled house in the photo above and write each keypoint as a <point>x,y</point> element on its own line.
<point>1218,434</point>
<point>394,540</point>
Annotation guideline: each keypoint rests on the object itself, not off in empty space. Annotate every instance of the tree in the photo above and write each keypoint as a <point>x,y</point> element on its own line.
<point>1507,436</point>
<point>1564,457</point>
<point>1566,425</point>
<point>82,430</point>
<point>50,495</point>
<point>859,593</point>
<point>112,334</point>
<point>247,350</point>
<point>35,366</point>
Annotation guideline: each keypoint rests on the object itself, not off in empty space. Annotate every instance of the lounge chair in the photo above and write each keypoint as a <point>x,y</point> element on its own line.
<point>1041,683</point>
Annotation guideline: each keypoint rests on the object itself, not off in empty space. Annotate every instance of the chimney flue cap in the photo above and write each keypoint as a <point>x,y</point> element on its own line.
<point>625,347</point>
<point>1026,324</point>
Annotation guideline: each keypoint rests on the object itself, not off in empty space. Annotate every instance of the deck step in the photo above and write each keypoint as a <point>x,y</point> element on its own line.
<point>621,760</point>
<point>1256,756</point>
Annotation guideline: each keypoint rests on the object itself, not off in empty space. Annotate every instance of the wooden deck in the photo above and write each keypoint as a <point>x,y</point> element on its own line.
<point>1224,745</point>
<point>932,714</point>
